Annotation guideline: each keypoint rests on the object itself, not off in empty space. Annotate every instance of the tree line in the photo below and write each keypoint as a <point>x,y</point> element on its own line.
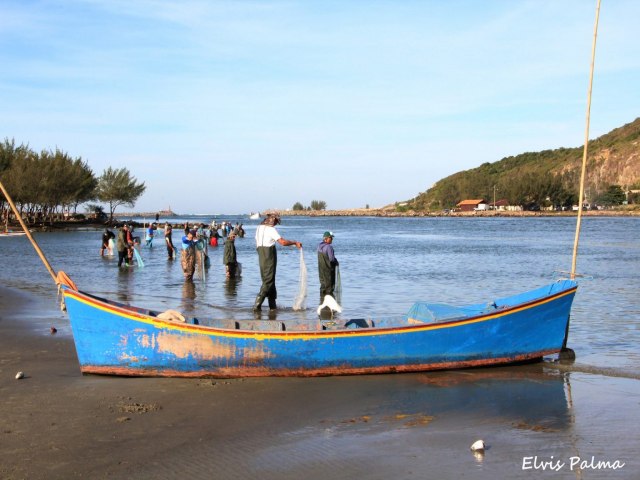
<point>529,189</point>
<point>51,184</point>
<point>315,205</point>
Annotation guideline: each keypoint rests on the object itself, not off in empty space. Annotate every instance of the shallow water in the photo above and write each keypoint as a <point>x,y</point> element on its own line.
<point>385,265</point>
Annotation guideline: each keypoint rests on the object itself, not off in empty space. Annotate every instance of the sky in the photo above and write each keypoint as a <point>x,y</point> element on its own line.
<point>243,106</point>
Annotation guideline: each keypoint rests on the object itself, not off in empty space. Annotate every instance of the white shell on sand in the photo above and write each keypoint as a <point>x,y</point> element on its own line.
<point>478,446</point>
<point>19,375</point>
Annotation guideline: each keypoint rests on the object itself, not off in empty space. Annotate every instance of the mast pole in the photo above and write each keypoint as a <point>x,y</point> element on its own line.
<point>567,353</point>
<point>586,145</point>
<point>26,230</point>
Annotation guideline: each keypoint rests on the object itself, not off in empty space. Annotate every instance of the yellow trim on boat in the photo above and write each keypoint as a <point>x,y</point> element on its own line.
<point>256,335</point>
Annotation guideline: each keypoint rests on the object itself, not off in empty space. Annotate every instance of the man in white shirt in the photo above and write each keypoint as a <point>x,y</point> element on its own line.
<point>266,238</point>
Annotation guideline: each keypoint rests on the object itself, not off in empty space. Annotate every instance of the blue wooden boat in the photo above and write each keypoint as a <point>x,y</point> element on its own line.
<point>117,339</point>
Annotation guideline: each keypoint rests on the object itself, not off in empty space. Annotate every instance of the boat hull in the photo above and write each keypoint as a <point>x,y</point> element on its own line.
<point>119,340</point>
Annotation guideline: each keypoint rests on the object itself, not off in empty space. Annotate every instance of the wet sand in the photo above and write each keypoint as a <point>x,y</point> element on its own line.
<point>535,419</point>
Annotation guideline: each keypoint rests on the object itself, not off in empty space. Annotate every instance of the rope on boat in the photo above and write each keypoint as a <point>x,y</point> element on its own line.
<point>586,146</point>
<point>566,275</point>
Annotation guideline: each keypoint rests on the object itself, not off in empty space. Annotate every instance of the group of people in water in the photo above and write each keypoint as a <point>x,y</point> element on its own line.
<point>194,252</point>
<point>125,244</point>
<point>194,244</point>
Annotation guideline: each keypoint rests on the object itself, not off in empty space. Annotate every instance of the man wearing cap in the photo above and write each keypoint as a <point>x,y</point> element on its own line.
<point>327,264</point>
<point>266,238</point>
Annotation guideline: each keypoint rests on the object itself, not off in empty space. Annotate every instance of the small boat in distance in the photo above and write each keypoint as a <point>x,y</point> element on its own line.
<point>8,232</point>
<point>11,234</point>
<point>254,216</point>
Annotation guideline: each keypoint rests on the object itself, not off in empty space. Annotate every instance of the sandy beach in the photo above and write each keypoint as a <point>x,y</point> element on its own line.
<point>538,421</point>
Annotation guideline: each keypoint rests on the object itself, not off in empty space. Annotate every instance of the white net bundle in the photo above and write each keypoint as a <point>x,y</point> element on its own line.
<point>300,302</point>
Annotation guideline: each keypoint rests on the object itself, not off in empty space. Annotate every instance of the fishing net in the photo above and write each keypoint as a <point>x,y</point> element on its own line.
<point>201,260</point>
<point>138,257</point>
<point>301,298</point>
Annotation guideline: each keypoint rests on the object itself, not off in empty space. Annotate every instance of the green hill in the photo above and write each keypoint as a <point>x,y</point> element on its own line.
<point>546,177</point>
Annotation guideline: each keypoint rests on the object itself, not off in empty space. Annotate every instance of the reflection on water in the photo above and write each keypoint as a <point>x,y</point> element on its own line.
<point>389,420</point>
<point>125,275</point>
<point>231,287</point>
<point>187,306</point>
<point>386,264</point>
<point>528,398</point>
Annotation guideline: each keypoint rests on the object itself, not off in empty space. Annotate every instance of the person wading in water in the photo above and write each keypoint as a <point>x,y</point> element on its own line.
<point>327,264</point>
<point>266,238</point>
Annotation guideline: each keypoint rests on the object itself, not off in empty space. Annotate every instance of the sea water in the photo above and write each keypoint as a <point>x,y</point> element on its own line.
<point>386,264</point>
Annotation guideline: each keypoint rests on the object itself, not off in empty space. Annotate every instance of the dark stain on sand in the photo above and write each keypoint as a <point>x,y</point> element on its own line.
<point>404,420</point>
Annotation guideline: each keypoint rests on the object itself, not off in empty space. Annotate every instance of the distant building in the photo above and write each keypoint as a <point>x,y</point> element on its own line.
<point>471,205</point>
<point>499,204</point>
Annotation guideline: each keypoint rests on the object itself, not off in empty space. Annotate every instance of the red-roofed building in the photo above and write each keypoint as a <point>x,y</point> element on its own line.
<point>471,205</point>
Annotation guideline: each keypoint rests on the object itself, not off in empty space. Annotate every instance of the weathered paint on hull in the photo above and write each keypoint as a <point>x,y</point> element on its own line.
<point>120,341</point>
<point>334,371</point>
